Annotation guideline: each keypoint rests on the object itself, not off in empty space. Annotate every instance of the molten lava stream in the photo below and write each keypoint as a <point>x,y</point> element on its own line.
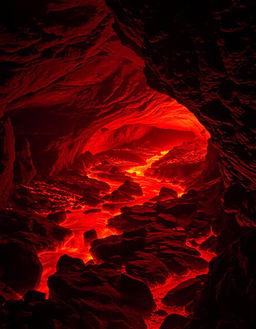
<point>79,222</point>
<point>74,246</point>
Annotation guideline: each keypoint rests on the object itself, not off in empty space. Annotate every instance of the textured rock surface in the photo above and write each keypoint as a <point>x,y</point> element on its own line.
<point>102,291</point>
<point>228,297</point>
<point>23,236</point>
<point>184,293</point>
<point>24,169</point>
<point>202,55</point>
<point>174,321</point>
<point>24,271</point>
<point>71,86</point>
<point>7,156</point>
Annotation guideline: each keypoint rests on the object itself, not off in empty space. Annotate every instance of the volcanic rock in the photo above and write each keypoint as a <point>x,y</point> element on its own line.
<point>25,272</point>
<point>92,211</point>
<point>120,196</point>
<point>117,245</point>
<point>136,293</point>
<point>32,229</point>
<point>7,156</point>
<point>174,321</point>
<point>92,200</point>
<point>67,263</point>
<point>102,291</point>
<point>34,296</point>
<point>131,188</point>
<point>148,268</point>
<point>184,292</point>
<point>57,217</point>
<point>184,162</point>
<point>78,183</point>
<point>126,222</point>
<point>165,194</point>
<point>90,236</point>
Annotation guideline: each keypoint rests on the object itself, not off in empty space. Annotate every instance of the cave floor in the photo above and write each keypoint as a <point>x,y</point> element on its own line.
<point>81,218</point>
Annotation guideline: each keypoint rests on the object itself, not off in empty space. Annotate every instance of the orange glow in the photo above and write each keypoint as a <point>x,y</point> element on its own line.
<point>79,222</point>
<point>140,170</point>
<point>74,246</point>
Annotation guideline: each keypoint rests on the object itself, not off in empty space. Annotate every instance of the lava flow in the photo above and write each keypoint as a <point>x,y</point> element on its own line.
<point>78,221</point>
<point>88,218</point>
<point>140,170</point>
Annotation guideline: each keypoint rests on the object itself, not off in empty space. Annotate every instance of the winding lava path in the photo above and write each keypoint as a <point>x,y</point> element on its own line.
<point>79,222</point>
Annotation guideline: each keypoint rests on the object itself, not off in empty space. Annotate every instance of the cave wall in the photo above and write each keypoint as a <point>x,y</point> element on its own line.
<point>67,82</point>
<point>202,54</point>
<point>7,157</point>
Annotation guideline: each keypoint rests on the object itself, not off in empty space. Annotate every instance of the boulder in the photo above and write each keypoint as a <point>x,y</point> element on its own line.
<point>20,268</point>
<point>174,321</point>
<point>90,236</point>
<point>185,292</point>
<point>57,217</point>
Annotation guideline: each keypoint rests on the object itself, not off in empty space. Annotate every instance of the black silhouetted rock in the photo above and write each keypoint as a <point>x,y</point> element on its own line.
<point>185,292</point>
<point>57,217</point>
<point>7,156</point>
<point>91,200</point>
<point>174,321</point>
<point>120,196</point>
<point>133,217</point>
<point>33,229</point>
<point>100,290</point>
<point>23,236</point>
<point>125,192</point>
<point>7,293</point>
<point>90,236</point>
<point>111,206</point>
<point>117,245</point>
<point>34,296</point>
<point>67,263</point>
<point>75,182</point>
<point>106,248</point>
<point>92,211</point>
<point>131,188</point>
<point>181,262</point>
<point>168,220</point>
<point>136,293</point>
<point>20,267</point>
<point>148,268</point>
<point>184,209</point>
<point>165,194</point>
<point>126,222</point>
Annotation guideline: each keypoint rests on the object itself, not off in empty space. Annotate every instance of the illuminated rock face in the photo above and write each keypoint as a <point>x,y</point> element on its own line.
<point>70,86</point>
<point>201,54</point>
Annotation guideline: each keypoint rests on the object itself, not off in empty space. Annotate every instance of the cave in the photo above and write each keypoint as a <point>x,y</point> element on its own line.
<point>127,165</point>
